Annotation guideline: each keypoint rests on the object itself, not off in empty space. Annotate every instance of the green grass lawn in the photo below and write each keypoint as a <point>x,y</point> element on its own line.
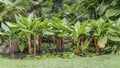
<point>103,61</point>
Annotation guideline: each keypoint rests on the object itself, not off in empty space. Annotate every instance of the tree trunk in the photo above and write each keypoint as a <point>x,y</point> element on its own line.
<point>37,43</point>
<point>11,50</point>
<point>59,44</point>
<point>29,45</point>
<point>62,44</point>
<point>78,47</point>
<point>82,41</point>
<point>97,49</point>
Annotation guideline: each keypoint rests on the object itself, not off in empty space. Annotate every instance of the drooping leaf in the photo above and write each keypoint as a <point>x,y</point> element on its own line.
<point>114,38</point>
<point>22,4</point>
<point>61,34</point>
<point>10,24</point>
<point>5,27</point>
<point>1,33</point>
<point>85,44</point>
<point>112,12</point>
<point>22,46</point>
<point>102,42</point>
<point>102,9</point>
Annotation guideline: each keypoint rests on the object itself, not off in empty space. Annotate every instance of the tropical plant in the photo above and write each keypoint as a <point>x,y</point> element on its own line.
<point>10,35</point>
<point>39,29</point>
<point>9,5</point>
<point>61,29</point>
<point>100,30</point>
<point>114,36</point>
<point>31,27</point>
<point>25,25</point>
<point>79,33</point>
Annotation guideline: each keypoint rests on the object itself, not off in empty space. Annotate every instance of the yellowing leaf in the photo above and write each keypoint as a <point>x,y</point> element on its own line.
<point>102,42</point>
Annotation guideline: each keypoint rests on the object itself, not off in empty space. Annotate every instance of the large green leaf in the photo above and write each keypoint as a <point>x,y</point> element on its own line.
<point>2,34</point>
<point>5,27</point>
<point>75,37</point>
<point>22,4</point>
<point>85,44</point>
<point>102,42</point>
<point>102,9</point>
<point>22,46</point>
<point>27,31</point>
<point>114,38</point>
<point>79,29</point>
<point>12,25</point>
<point>62,34</point>
<point>112,12</point>
<point>82,28</point>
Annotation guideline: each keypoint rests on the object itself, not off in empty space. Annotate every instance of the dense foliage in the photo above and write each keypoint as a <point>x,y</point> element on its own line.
<point>92,26</point>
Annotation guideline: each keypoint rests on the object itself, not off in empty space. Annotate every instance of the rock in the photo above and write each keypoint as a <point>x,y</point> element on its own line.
<point>1,49</point>
<point>15,47</point>
<point>7,50</point>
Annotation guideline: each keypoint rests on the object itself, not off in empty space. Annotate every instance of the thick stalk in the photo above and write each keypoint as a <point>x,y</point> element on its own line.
<point>82,41</point>
<point>40,46</point>
<point>78,47</point>
<point>60,47</point>
<point>62,44</point>
<point>96,46</point>
<point>29,45</point>
<point>35,45</point>
<point>10,49</point>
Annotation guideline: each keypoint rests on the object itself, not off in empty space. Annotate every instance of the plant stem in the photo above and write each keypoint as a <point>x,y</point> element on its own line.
<point>96,46</point>
<point>82,40</point>
<point>62,44</point>
<point>78,47</point>
<point>37,43</point>
<point>10,49</point>
<point>29,45</point>
<point>59,44</point>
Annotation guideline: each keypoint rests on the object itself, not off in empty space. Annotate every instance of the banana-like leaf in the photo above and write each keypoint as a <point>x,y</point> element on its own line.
<point>5,27</point>
<point>60,27</point>
<point>22,46</point>
<point>62,34</point>
<point>48,33</point>
<point>22,4</point>
<point>10,24</point>
<point>7,2</point>
<point>10,5</point>
<point>112,12</point>
<point>102,42</point>
<point>2,34</point>
<point>26,31</point>
<point>30,17</point>
<point>82,28</point>
<point>75,37</point>
<point>114,38</point>
<point>102,9</point>
<point>85,44</point>
<point>79,29</point>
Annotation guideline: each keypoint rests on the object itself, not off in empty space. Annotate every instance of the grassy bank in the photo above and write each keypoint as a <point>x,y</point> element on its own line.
<point>104,61</point>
